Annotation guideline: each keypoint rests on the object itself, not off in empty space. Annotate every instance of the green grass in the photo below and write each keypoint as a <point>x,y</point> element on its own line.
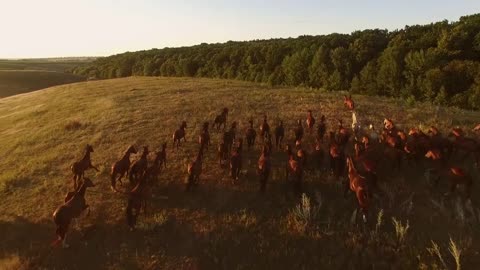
<point>220,225</point>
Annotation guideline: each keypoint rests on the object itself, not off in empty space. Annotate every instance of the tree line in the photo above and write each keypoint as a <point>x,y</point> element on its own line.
<point>437,63</point>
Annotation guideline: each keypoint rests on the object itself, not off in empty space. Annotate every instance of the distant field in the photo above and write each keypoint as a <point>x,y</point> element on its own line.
<point>220,225</point>
<point>41,64</point>
<point>13,82</point>
<point>23,76</point>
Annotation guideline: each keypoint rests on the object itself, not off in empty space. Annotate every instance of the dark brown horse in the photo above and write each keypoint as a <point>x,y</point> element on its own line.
<point>72,208</point>
<point>299,131</point>
<point>251,135</point>
<point>204,138</point>
<point>179,134</point>
<point>321,129</point>
<point>121,167</point>
<point>137,199</point>
<point>358,185</point>
<point>279,135</point>
<point>235,164</point>
<point>222,153</point>
<point>139,167</point>
<point>221,119</point>
<point>78,168</point>
<point>194,169</point>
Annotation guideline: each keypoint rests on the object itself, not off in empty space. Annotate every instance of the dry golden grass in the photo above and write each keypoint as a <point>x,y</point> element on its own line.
<point>219,225</point>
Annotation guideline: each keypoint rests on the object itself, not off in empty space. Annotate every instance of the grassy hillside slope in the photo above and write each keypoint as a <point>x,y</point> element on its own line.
<point>220,225</point>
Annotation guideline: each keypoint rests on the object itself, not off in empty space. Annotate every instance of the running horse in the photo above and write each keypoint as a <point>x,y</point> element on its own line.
<point>78,168</point>
<point>121,167</point>
<point>358,184</point>
<point>73,207</point>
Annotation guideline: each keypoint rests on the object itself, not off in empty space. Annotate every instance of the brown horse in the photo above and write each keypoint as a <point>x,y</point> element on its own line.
<point>222,153</point>
<point>348,102</point>
<point>264,127</point>
<point>317,157</point>
<point>154,170</point>
<point>299,131</point>
<point>194,169</point>
<point>310,121</point>
<point>221,119</point>
<point>358,185</point>
<point>251,135</point>
<point>465,144</point>
<point>204,138</point>
<point>235,164</point>
<point>78,168</point>
<point>137,199</point>
<point>139,167</point>
<point>321,129</point>
<point>264,168</point>
<point>121,167</point>
<point>179,134</point>
<point>337,160</point>
<point>162,156</point>
<point>279,135</point>
<point>343,135</point>
<point>294,171</point>
<point>229,137</point>
<point>72,208</point>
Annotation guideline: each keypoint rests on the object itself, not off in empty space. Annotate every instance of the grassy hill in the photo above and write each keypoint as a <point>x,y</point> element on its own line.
<point>220,225</point>
<point>22,76</point>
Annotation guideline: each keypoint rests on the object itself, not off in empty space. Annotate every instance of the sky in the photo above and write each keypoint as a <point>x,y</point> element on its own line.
<point>64,28</point>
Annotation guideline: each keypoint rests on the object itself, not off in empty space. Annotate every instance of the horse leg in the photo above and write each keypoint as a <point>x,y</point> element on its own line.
<point>64,244</point>
<point>93,167</point>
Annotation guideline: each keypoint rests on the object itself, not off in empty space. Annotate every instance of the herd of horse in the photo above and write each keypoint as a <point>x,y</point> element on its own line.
<point>350,153</point>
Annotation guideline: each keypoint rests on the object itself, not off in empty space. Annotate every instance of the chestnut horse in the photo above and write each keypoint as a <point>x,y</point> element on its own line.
<point>121,167</point>
<point>348,102</point>
<point>295,170</point>
<point>71,209</point>
<point>310,121</point>
<point>78,168</point>
<point>264,168</point>
<point>358,185</point>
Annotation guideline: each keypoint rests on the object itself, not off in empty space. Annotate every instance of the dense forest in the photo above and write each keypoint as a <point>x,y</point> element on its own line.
<point>437,63</point>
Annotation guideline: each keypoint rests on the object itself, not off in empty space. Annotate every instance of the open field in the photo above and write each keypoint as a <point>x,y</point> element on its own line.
<point>14,82</point>
<point>219,225</point>
<point>23,76</point>
<point>58,65</point>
